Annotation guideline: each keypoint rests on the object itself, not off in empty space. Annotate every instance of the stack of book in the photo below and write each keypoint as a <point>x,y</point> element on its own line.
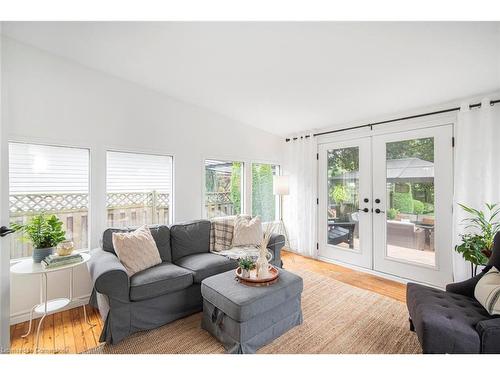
<point>54,261</point>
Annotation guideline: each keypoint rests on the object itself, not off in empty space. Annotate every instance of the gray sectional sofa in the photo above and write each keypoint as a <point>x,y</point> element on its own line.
<point>163,293</point>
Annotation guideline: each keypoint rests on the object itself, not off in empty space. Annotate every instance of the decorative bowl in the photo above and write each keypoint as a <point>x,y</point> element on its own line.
<point>253,280</point>
<point>65,248</point>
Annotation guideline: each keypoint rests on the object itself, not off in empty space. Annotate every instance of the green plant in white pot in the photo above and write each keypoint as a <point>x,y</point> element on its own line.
<point>44,232</point>
<point>246,264</point>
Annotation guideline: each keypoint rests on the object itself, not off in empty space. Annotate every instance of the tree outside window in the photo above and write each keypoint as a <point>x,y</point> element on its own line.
<point>263,199</point>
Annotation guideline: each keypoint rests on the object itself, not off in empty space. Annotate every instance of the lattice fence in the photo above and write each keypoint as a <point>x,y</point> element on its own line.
<point>123,209</point>
<point>127,209</point>
<point>33,203</point>
<point>219,204</point>
<point>218,197</point>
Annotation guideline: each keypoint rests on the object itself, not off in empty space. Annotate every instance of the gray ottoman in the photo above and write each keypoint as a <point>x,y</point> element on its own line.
<point>245,318</point>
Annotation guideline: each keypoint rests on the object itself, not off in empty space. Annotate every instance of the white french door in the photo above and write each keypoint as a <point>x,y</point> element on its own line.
<point>413,200</point>
<point>345,201</point>
<point>385,203</point>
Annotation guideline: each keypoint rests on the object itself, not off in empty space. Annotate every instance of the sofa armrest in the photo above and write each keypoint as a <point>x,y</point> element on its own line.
<point>465,288</point>
<point>276,242</point>
<point>108,275</point>
<point>489,331</point>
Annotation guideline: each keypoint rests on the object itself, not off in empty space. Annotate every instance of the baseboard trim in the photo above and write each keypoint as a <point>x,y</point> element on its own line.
<point>383,275</point>
<point>24,316</point>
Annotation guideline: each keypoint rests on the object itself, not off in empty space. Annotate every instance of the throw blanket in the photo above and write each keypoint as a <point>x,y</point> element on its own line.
<point>239,252</point>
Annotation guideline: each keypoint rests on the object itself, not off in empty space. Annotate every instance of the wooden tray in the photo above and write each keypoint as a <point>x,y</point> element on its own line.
<point>254,281</point>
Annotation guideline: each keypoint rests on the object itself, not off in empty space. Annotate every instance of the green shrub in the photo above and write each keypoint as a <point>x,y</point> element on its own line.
<point>418,207</point>
<point>428,208</point>
<point>392,213</point>
<point>339,194</point>
<point>263,199</point>
<point>236,187</point>
<point>403,202</point>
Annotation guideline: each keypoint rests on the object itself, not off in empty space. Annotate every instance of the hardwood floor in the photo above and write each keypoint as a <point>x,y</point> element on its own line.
<point>355,278</point>
<point>62,332</point>
<point>67,331</point>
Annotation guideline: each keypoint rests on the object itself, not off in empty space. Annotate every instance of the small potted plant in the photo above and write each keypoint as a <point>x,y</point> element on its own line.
<point>44,232</point>
<point>476,246</point>
<point>246,264</point>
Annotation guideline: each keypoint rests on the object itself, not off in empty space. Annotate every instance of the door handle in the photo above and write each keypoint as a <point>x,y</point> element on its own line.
<point>378,210</point>
<point>364,209</point>
<point>5,231</point>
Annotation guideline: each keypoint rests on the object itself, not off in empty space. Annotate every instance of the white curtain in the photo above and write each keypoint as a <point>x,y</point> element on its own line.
<point>477,166</point>
<point>300,205</point>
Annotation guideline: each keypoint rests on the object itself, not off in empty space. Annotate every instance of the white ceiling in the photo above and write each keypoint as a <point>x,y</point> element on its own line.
<point>286,77</point>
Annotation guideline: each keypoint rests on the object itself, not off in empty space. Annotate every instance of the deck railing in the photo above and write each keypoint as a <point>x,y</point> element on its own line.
<point>124,209</point>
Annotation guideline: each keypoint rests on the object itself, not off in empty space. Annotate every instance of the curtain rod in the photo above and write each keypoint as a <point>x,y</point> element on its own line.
<point>371,125</point>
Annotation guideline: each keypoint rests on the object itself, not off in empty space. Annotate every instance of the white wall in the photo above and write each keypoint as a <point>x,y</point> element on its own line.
<point>56,101</point>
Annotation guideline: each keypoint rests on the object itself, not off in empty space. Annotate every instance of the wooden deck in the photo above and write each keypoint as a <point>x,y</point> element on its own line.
<point>67,331</point>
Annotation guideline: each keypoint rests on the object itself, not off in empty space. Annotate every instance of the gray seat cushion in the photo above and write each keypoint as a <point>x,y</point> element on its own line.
<point>206,264</point>
<point>190,238</point>
<point>162,279</point>
<point>445,322</point>
<point>160,233</point>
<point>242,302</point>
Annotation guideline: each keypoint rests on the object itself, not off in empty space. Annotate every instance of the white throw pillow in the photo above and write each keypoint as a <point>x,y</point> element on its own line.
<point>247,231</point>
<point>136,250</point>
<point>487,291</point>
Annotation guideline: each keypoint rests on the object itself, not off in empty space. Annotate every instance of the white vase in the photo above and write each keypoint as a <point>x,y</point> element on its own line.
<point>262,263</point>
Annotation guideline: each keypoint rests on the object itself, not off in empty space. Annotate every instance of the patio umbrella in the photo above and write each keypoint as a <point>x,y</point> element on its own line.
<point>401,170</point>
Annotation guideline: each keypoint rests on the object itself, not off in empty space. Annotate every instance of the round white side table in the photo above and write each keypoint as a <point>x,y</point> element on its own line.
<point>46,306</point>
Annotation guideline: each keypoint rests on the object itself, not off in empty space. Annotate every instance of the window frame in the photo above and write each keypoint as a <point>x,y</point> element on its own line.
<point>246,184</point>
<point>49,143</point>
<point>277,198</point>
<point>140,152</point>
<point>243,197</point>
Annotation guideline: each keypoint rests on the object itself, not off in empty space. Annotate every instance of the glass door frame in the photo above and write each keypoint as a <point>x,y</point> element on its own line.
<point>442,272</point>
<point>361,257</point>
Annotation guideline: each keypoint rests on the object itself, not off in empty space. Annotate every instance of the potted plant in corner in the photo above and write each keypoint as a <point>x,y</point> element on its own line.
<point>476,247</point>
<point>44,232</point>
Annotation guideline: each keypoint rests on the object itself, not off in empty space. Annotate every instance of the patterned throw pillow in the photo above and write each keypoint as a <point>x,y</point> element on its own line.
<point>247,231</point>
<point>225,229</point>
<point>487,291</point>
<point>136,250</point>
<point>221,234</point>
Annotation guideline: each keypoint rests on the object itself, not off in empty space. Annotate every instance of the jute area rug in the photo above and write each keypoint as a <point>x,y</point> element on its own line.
<point>338,318</point>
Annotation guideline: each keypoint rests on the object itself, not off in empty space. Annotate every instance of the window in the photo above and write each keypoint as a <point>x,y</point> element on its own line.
<point>139,189</point>
<point>264,202</point>
<point>223,188</point>
<point>51,180</point>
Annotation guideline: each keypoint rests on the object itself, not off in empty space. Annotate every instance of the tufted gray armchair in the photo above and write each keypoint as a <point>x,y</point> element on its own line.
<point>453,321</point>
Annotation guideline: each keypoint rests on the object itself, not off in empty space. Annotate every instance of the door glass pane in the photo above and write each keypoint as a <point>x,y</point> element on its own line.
<point>410,200</point>
<point>343,194</point>
<point>223,188</point>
